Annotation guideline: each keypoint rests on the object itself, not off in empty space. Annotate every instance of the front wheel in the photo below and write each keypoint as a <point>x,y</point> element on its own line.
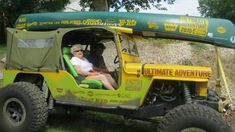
<point>194,117</point>
<point>22,108</point>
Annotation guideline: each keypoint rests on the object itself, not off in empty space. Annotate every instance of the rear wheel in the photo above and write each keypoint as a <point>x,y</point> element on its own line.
<point>193,117</point>
<point>22,108</point>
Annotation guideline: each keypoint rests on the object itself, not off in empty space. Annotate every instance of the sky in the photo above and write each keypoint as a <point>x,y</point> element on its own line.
<point>180,7</point>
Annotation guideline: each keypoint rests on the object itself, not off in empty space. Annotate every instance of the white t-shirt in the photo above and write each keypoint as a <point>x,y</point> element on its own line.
<point>84,64</point>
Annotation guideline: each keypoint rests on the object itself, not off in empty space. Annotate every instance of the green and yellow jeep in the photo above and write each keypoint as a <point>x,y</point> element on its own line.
<point>39,77</point>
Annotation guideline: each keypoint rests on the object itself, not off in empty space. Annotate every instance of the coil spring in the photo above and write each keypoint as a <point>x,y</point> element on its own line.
<point>187,95</point>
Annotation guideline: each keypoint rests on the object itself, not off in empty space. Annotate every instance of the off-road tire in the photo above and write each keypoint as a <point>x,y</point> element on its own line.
<point>194,116</point>
<point>27,98</point>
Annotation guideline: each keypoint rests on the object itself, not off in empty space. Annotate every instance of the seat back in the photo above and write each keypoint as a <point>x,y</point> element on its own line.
<point>67,56</point>
<point>86,53</point>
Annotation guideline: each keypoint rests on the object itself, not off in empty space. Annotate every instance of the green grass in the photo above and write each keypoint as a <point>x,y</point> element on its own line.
<point>88,121</point>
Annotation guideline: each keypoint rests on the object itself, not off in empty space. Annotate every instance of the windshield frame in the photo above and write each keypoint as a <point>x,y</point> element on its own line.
<point>128,48</point>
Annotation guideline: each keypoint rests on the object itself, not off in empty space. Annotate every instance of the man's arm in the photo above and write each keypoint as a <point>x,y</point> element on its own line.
<point>102,65</point>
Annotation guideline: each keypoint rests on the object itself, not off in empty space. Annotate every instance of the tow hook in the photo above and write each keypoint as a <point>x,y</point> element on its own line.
<point>226,108</point>
<point>228,113</point>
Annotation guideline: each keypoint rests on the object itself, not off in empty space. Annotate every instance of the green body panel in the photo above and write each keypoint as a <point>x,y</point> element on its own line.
<point>64,88</point>
<point>219,32</point>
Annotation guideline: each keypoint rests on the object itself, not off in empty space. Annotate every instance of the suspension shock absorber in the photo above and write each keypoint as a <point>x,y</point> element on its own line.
<point>187,95</point>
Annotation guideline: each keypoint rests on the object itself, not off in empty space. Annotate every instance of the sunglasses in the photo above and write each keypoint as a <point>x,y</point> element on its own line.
<point>78,51</point>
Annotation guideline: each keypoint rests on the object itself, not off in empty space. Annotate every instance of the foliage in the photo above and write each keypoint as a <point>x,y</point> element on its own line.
<point>218,8</point>
<point>129,5</point>
<point>13,8</point>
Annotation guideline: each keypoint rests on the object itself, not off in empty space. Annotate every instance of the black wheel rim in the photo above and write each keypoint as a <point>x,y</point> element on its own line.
<point>14,111</point>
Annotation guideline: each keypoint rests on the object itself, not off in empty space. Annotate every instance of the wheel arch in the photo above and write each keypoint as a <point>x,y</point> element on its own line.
<point>156,85</point>
<point>36,79</point>
<point>33,78</point>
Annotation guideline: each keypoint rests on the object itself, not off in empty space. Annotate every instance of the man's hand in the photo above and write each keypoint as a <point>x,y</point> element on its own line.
<point>101,70</point>
<point>93,73</point>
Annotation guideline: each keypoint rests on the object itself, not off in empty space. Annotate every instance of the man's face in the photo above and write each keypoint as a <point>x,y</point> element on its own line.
<point>99,51</point>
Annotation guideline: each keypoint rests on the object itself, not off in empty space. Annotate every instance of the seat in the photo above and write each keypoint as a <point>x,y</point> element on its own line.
<point>91,83</point>
<point>86,53</point>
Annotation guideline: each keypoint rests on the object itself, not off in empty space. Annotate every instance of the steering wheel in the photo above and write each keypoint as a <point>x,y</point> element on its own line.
<point>115,61</point>
<point>124,50</point>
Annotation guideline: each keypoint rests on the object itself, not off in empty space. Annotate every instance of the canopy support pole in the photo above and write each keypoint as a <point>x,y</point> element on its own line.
<point>221,73</point>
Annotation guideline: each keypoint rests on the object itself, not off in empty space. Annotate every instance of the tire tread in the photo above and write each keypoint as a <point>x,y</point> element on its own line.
<point>193,110</point>
<point>40,110</point>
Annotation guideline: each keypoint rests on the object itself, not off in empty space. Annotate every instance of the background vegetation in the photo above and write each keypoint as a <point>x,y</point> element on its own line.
<point>218,9</point>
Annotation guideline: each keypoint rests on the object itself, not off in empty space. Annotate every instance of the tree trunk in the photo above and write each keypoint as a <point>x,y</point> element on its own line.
<point>100,5</point>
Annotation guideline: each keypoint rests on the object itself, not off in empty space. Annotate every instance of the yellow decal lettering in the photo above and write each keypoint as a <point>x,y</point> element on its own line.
<point>101,101</point>
<point>153,25</point>
<point>221,29</point>
<point>158,72</point>
<point>131,22</point>
<point>170,27</point>
<point>128,22</point>
<point>193,26</point>
<point>64,22</point>
<point>22,20</point>
<point>122,22</point>
<point>177,73</point>
<point>92,22</point>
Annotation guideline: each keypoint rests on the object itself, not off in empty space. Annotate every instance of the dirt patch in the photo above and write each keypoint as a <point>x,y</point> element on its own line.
<point>164,53</point>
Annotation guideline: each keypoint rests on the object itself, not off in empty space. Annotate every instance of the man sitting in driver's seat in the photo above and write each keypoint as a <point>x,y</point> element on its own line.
<point>96,57</point>
<point>85,68</point>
